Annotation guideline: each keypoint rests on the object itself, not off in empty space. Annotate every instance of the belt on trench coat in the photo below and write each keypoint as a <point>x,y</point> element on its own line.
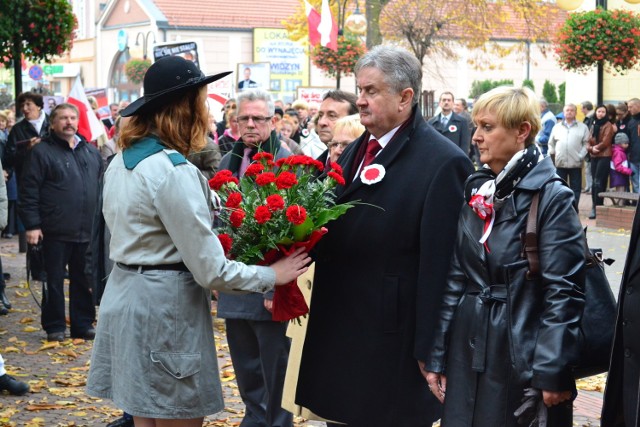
<point>178,266</point>
<point>485,300</point>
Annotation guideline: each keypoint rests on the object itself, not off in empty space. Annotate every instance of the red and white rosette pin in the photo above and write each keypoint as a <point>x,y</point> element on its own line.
<point>453,128</point>
<point>372,174</point>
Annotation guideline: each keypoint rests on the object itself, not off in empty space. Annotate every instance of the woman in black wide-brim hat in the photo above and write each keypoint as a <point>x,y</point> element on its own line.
<point>154,353</point>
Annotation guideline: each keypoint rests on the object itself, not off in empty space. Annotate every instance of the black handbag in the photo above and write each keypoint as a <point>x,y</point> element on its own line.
<point>599,317</point>
<point>35,263</point>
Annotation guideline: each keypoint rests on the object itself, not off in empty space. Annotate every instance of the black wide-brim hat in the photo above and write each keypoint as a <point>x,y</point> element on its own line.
<point>168,78</point>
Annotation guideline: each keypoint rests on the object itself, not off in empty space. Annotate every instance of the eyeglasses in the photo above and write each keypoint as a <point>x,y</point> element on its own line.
<point>334,144</point>
<point>259,120</point>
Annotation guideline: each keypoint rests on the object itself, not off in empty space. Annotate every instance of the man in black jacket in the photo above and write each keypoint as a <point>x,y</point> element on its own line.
<point>56,204</point>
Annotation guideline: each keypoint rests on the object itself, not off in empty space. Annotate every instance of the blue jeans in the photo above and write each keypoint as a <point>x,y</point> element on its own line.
<point>635,176</point>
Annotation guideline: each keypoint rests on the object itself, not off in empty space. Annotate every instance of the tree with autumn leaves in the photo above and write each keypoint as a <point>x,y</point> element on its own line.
<point>36,29</point>
<point>431,28</point>
<point>441,28</point>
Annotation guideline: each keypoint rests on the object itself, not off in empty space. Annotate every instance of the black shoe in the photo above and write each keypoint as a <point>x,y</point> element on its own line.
<point>13,386</point>
<point>3,311</point>
<point>55,336</point>
<point>121,422</point>
<point>88,335</point>
<point>4,299</point>
<point>592,215</point>
<point>7,236</point>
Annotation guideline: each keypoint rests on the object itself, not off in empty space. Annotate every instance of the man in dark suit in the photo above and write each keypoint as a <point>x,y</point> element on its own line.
<point>111,120</point>
<point>247,83</point>
<point>621,407</point>
<point>450,124</point>
<point>381,268</point>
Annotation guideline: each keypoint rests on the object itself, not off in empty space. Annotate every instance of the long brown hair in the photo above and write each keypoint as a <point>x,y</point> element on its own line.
<point>181,123</point>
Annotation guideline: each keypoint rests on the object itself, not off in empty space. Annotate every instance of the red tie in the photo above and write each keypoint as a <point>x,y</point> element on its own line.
<point>373,147</point>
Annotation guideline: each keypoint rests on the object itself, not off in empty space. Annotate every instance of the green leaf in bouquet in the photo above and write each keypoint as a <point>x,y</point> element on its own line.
<point>302,231</point>
<point>332,213</point>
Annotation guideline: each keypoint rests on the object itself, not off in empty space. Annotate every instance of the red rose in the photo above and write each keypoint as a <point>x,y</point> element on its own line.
<point>286,180</point>
<point>338,178</point>
<point>262,214</point>
<point>236,217</point>
<point>263,155</point>
<point>296,214</point>
<point>226,242</point>
<point>234,200</point>
<point>254,169</point>
<point>265,178</point>
<point>275,202</point>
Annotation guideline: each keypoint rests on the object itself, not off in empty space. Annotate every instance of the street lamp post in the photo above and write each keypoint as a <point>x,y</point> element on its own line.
<point>600,75</point>
<point>145,41</point>
<point>356,23</point>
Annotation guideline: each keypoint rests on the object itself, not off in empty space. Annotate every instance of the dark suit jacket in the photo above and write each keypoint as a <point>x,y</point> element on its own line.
<point>621,407</point>
<point>380,271</point>
<point>457,130</point>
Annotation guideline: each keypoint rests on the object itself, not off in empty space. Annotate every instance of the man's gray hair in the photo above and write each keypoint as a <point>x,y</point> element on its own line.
<point>400,68</point>
<point>543,102</point>
<point>257,95</point>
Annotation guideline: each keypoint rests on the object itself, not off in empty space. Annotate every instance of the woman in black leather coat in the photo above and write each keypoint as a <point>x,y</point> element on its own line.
<point>499,334</point>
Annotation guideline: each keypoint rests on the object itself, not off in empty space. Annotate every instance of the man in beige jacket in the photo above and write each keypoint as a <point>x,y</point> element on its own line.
<point>567,147</point>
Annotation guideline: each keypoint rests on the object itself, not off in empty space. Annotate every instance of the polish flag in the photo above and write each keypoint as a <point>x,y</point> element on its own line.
<point>313,20</point>
<point>328,28</point>
<point>88,124</point>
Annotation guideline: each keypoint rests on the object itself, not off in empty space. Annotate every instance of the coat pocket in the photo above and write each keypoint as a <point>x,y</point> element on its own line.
<point>175,379</point>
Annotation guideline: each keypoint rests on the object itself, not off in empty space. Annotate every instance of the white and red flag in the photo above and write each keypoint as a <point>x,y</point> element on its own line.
<point>328,28</point>
<point>88,124</point>
<point>322,28</point>
<point>313,20</point>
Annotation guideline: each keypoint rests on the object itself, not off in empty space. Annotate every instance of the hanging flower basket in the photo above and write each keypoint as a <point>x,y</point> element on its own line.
<point>344,60</point>
<point>136,69</point>
<point>610,37</point>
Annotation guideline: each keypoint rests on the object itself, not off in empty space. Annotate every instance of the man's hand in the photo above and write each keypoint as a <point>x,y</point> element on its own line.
<point>34,236</point>
<point>268,304</point>
<point>552,398</point>
<point>437,384</point>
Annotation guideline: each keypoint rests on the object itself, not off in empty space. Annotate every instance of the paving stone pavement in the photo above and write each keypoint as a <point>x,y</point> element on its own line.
<point>57,373</point>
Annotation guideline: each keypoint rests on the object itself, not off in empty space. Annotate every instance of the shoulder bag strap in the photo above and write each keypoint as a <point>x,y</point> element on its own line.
<point>530,246</point>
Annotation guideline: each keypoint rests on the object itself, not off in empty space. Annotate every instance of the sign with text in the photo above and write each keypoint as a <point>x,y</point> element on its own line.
<point>186,49</point>
<point>312,94</point>
<point>289,61</point>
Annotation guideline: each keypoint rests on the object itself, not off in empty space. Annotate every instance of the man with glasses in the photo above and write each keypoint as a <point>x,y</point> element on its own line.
<point>259,346</point>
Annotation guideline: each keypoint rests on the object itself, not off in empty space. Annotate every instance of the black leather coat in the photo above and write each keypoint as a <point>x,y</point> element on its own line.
<point>498,332</point>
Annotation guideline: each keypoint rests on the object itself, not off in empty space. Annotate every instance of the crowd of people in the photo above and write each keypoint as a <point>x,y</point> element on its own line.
<point>421,304</point>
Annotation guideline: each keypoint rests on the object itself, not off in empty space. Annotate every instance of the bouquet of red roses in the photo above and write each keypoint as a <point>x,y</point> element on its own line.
<point>273,209</point>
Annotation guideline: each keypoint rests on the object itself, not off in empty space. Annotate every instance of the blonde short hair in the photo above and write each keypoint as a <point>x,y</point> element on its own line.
<point>512,107</point>
<point>350,125</point>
